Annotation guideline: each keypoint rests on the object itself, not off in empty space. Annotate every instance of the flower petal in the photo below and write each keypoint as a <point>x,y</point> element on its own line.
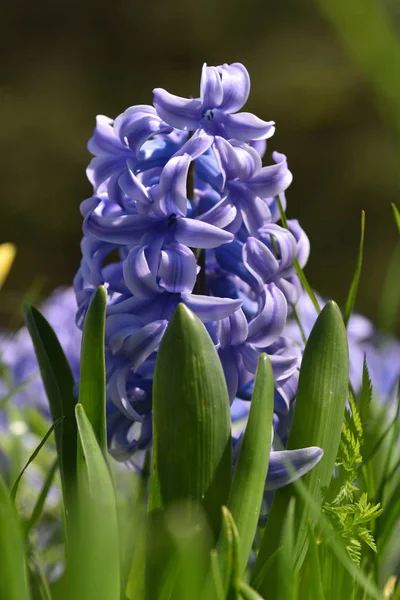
<point>198,234</point>
<point>236,86</point>
<point>143,342</point>
<point>211,92</point>
<point>178,269</point>
<point>181,113</point>
<point>197,145</point>
<point>259,260</point>
<point>301,462</point>
<point>221,214</point>
<point>139,278</point>
<point>245,126</point>
<point>273,180</point>
<point>209,308</point>
<point>172,190</point>
<point>269,324</point>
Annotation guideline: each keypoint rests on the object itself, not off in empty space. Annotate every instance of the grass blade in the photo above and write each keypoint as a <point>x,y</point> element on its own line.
<point>32,457</point>
<point>59,384</point>
<point>251,469</point>
<point>396,215</point>
<point>351,298</point>
<point>13,579</point>
<point>286,558</point>
<point>92,384</point>
<point>317,421</point>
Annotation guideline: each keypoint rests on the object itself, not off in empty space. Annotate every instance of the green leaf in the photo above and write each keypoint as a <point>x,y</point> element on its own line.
<point>32,457</point>
<point>317,421</point>
<point>396,215</point>
<point>94,568</point>
<point>247,593</point>
<point>251,469</point>
<point>13,573</point>
<point>286,558</point>
<point>40,502</point>
<point>92,384</point>
<point>351,298</point>
<point>59,384</point>
<point>312,579</point>
<point>192,448</point>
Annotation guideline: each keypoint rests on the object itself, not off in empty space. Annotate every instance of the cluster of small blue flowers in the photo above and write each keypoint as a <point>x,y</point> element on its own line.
<point>184,211</point>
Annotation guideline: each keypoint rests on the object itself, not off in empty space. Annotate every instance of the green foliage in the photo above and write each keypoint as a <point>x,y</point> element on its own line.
<point>351,297</point>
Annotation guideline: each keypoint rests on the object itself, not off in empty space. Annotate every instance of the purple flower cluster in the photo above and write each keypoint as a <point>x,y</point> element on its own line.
<point>184,211</point>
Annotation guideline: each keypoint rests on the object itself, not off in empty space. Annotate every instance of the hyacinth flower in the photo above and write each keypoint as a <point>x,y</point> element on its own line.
<point>184,212</point>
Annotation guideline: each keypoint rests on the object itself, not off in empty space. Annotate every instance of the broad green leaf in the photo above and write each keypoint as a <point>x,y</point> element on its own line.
<point>94,568</point>
<point>32,457</point>
<point>40,502</point>
<point>13,573</point>
<point>251,469</point>
<point>59,385</point>
<point>317,421</point>
<point>7,256</point>
<point>191,419</point>
<point>351,298</point>
<point>92,384</point>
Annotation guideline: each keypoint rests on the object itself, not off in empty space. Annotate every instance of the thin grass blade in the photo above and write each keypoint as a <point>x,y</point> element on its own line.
<point>351,298</point>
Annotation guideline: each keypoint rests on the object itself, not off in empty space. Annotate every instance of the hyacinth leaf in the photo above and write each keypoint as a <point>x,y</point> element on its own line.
<point>311,580</point>
<point>94,568</point>
<point>191,419</point>
<point>92,384</point>
<point>317,421</point>
<point>59,385</point>
<point>351,298</point>
<point>32,457</point>
<point>286,558</point>
<point>251,469</point>
<point>7,256</point>
<point>13,580</point>
<point>247,593</point>
<point>40,502</point>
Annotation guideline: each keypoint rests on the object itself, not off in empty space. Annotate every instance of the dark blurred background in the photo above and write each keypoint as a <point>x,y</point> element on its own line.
<point>64,62</point>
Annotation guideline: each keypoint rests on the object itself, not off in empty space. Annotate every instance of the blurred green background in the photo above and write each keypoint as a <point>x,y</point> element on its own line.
<point>331,85</point>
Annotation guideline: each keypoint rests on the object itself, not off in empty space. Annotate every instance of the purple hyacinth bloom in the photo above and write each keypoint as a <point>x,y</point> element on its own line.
<point>188,218</point>
<point>223,92</point>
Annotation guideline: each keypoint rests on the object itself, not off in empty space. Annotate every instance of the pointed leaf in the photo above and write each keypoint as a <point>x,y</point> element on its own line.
<point>317,421</point>
<point>351,298</point>
<point>396,215</point>
<point>92,384</point>
<point>191,419</point>
<point>251,469</point>
<point>59,384</point>
<point>286,558</point>
<point>13,574</point>
<point>94,570</point>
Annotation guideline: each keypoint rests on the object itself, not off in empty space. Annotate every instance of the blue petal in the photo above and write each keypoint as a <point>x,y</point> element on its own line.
<point>221,214</point>
<point>228,361</point>
<point>134,188</point>
<point>172,190</point>
<point>245,126</point>
<point>119,328</point>
<point>178,269</point>
<point>139,278</point>
<point>301,461</point>
<point>195,147</point>
<point>229,257</point>
<point>208,308</point>
<point>259,260</point>
<point>181,113</point>
<point>123,229</point>
<point>197,234</point>
<point>273,180</point>
<point>269,324</point>
<point>236,86</point>
<point>143,342</point>
<point>211,92</point>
